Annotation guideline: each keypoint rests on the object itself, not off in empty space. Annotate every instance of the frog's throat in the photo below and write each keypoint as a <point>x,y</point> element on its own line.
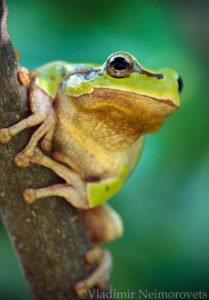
<point>116,119</point>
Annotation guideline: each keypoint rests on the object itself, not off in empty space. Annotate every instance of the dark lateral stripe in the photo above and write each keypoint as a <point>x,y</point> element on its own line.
<point>157,75</point>
<point>166,101</point>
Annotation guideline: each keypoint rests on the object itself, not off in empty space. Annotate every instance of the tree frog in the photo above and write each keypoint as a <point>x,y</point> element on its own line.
<point>94,118</point>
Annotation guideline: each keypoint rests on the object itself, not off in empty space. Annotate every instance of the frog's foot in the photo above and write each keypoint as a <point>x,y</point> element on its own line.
<point>101,275</point>
<point>23,158</point>
<point>5,137</point>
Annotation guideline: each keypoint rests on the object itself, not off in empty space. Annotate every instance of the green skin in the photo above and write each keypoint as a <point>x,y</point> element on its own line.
<point>96,117</point>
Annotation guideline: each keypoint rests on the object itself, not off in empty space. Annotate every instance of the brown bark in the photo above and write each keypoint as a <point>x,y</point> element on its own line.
<point>49,240</point>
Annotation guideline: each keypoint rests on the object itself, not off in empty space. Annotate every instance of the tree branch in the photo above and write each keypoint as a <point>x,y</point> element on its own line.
<point>48,236</point>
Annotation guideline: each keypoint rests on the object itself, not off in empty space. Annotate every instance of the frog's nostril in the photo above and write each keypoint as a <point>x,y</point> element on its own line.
<point>180,83</point>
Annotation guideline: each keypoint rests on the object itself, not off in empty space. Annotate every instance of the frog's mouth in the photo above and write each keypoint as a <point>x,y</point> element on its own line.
<point>142,114</point>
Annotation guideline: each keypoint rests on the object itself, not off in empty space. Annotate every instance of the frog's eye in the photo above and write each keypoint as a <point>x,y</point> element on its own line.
<point>120,65</point>
<point>180,84</point>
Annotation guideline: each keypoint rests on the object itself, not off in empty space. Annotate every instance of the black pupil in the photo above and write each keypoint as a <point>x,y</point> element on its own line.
<point>119,63</point>
<point>180,83</point>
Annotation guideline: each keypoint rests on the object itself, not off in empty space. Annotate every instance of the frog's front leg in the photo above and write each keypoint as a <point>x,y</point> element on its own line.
<point>23,158</point>
<point>103,224</point>
<point>41,106</point>
<point>74,190</point>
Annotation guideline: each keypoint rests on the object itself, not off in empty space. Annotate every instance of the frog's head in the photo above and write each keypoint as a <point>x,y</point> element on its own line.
<point>130,94</point>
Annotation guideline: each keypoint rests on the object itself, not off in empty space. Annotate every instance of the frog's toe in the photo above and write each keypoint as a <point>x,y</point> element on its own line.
<point>4,136</point>
<point>29,195</point>
<point>46,145</point>
<point>102,285</point>
<point>101,275</point>
<point>22,160</point>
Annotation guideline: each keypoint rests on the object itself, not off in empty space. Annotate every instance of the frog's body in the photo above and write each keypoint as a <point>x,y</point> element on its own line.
<point>104,168</point>
<point>102,139</point>
<point>96,117</point>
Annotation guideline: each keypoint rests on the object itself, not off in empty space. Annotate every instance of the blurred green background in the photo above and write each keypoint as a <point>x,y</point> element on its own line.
<point>164,205</point>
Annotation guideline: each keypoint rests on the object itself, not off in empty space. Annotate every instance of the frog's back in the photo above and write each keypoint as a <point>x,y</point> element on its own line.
<point>50,76</point>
